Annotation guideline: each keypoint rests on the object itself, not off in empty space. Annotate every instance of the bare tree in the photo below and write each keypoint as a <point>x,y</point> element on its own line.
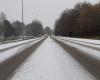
<point>35,29</point>
<point>2,28</point>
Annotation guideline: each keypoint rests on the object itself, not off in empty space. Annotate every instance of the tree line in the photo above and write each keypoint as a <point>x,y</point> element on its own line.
<point>18,29</point>
<point>81,21</point>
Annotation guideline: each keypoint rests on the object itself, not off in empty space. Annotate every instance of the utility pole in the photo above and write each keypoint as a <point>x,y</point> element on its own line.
<point>23,32</point>
<point>22,12</point>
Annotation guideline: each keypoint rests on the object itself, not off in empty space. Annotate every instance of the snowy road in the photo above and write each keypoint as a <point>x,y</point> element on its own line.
<point>51,62</point>
<point>85,51</point>
<point>13,57</point>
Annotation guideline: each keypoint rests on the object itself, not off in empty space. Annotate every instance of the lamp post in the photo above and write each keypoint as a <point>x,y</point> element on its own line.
<point>23,32</point>
<point>22,12</point>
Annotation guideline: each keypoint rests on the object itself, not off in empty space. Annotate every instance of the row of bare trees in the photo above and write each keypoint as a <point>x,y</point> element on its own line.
<point>19,29</point>
<point>81,21</point>
<point>6,29</point>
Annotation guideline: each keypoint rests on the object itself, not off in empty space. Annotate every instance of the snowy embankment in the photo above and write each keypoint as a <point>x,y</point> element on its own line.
<point>12,58</point>
<point>81,47</point>
<point>7,46</point>
<point>86,42</point>
<point>84,51</point>
<point>91,41</point>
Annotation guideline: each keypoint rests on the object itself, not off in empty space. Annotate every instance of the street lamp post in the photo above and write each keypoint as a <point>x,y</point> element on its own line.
<point>23,32</point>
<point>22,12</point>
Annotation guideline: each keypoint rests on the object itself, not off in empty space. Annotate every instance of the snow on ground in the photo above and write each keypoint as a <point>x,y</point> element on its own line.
<point>85,40</point>
<point>51,62</point>
<point>88,42</point>
<point>88,51</point>
<point>7,45</point>
<point>11,52</point>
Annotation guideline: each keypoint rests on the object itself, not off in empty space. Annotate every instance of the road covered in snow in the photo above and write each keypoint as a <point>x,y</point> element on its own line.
<point>85,51</point>
<point>51,62</point>
<point>11,58</point>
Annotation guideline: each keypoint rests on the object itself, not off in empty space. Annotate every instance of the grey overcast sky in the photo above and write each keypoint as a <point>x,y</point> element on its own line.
<point>47,11</point>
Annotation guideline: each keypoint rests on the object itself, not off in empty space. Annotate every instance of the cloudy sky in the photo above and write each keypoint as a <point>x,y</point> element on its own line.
<point>47,11</point>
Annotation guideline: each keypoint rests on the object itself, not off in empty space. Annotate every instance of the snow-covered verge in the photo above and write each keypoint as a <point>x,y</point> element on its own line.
<point>21,38</point>
<point>12,58</point>
<point>84,40</point>
<point>10,45</point>
<point>87,42</point>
